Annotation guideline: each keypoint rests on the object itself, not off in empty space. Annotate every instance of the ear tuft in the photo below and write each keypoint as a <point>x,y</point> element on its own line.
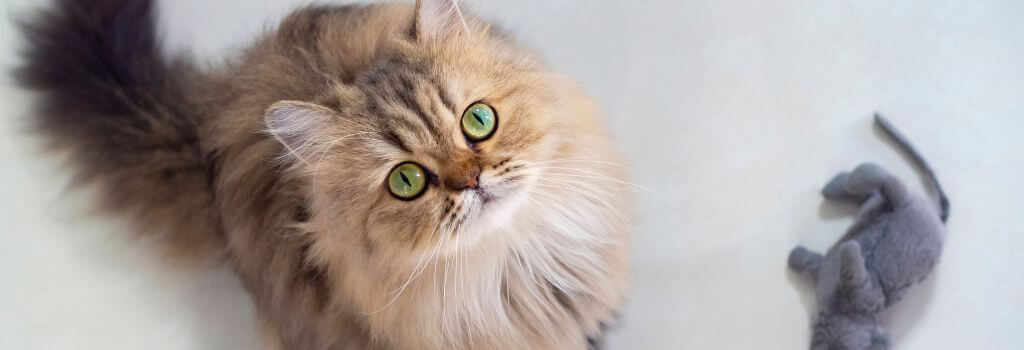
<point>438,20</point>
<point>298,126</point>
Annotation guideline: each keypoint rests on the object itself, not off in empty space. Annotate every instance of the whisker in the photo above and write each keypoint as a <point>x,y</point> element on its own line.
<point>579,160</point>
<point>561,226</point>
<point>417,271</point>
<point>444,299</point>
<point>585,193</point>
<point>645,194</point>
<point>599,176</point>
<point>460,278</point>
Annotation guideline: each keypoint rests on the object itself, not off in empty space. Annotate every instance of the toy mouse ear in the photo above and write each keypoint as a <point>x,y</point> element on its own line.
<point>438,20</point>
<point>851,264</point>
<point>879,339</point>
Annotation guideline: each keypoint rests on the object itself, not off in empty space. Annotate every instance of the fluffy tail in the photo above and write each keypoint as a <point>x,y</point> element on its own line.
<point>919,160</point>
<point>119,108</point>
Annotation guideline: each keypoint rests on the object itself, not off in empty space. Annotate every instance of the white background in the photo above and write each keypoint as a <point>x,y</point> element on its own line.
<point>736,110</point>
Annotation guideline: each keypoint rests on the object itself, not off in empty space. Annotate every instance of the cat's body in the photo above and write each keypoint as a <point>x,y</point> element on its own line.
<point>529,252</point>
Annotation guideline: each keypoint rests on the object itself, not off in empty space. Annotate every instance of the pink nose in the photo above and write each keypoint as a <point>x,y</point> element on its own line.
<point>468,178</point>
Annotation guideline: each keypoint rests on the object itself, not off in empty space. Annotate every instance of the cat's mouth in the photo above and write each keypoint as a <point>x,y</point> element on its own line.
<point>492,193</point>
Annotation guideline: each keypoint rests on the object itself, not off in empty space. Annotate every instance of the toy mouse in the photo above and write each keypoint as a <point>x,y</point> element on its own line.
<point>894,243</point>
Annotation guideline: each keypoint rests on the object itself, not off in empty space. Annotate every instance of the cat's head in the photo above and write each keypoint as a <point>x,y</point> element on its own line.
<point>449,137</point>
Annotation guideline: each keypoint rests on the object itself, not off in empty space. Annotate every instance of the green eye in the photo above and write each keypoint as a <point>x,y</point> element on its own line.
<point>407,181</point>
<point>479,122</point>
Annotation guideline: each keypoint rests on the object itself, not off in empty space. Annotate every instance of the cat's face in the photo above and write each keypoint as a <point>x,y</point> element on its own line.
<point>442,143</point>
<point>421,172</point>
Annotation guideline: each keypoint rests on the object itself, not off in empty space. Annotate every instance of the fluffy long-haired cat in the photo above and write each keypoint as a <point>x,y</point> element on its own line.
<point>387,176</point>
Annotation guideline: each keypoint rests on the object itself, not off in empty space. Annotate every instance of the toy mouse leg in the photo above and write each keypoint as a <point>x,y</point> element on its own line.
<point>836,190</point>
<point>805,262</point>
<point>869,210</point>
<point>868,178</point>
<point>871,207</point>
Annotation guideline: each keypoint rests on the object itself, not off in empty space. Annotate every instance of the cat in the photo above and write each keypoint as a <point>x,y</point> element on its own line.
<point>389,176</point>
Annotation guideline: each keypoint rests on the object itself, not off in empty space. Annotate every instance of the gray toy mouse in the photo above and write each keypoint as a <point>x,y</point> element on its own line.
<point>894,243</point>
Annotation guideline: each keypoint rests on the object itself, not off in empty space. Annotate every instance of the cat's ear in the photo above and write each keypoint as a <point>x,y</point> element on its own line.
<point>299,126</point>
<point>438,20</point>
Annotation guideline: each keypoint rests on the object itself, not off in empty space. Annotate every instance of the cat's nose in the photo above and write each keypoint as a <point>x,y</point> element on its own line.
<point>470,178</point>
<point>474,179</point>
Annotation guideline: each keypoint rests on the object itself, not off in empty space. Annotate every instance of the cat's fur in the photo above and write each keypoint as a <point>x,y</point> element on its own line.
<point>277,162</point>
<point>894,243</point>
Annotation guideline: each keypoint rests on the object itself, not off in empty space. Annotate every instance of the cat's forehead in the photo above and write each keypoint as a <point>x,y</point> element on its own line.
<point>415,103</point>
<point>410,109</point>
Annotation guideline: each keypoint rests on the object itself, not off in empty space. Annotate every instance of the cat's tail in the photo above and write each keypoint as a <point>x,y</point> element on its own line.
<point>119,108</point>
<point>909,148</point>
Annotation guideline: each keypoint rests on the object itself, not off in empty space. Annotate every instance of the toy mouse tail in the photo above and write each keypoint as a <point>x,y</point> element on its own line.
<point>909,148</point>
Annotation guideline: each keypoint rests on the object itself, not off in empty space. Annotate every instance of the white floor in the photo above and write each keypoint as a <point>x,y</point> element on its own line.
<point>736,110</point>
